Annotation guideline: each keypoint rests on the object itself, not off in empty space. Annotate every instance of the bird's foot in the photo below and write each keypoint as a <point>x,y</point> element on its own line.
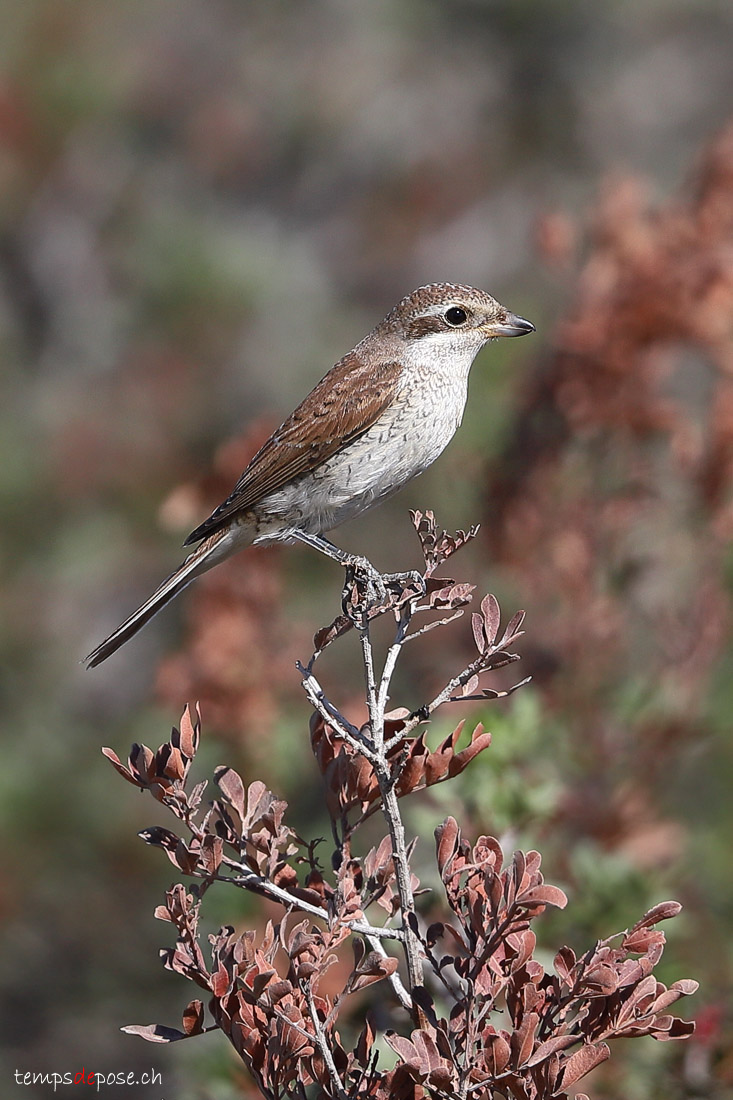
<point>401,582</point>
<point>366,587</point>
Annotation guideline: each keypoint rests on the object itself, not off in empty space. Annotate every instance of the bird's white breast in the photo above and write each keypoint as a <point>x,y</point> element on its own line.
<point>408,436</point>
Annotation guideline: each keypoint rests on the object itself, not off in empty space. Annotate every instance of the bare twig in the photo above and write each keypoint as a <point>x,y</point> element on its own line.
<point>390,804</point>
<point>376,713</point>
<point>250,880</point>
<point>332,716</point>
<point>393,654</point>
<point>322,1043</point>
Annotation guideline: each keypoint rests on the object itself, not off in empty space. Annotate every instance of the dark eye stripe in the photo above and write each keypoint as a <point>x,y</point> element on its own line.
<point>424,326</point>
<point>454,317</point>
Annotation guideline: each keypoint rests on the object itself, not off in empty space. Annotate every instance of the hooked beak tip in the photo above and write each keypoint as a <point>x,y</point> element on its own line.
<point>511,325</point>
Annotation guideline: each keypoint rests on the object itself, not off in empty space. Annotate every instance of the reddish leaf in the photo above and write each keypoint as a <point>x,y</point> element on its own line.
<point>522,1041</point>
<point>601,979</point>
<point>328,634</point>
<point>169,762</point>
<point>564,962</point>
<point>685,986</point>
<point>678,1029</point>
<point>211,854</point>
<point>193,1018</point>
<point>642,939</point>
<point>374,968</point>
<point>470,686</point>
<point>492,617</point>
<point>480,740</point>
<point>154,1033</point>
<point>544,895</point>
<point>549,1047</point>
<point>447,837</point>
<point>512,628</point>
<point>665,910</point>
<point>220,981</point>
<point>231,786</point>
<point>497,1053</point>
<point>365,1042</point>
<point>190,732</point>
<point>120,767</point>
<point>479,637</point>
<point>583,1061</point>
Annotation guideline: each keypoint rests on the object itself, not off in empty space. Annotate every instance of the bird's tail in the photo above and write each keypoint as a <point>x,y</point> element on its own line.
<point>201,560</point>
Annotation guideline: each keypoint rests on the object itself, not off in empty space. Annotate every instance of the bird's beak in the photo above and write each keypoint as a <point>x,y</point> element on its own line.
<point>511,325</point>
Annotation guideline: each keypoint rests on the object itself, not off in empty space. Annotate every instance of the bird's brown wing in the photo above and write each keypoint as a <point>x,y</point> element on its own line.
<point>343,405</point>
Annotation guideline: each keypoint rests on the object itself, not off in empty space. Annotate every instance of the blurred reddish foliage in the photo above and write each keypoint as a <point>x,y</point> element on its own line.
<point>612,506</point>
<point>235,659</point>
<point>639,383</point>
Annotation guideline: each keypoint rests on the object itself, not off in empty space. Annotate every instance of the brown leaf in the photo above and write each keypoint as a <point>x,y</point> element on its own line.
<point>365,1042</point>
<point>422,1058</point>
<point>564,962</point>
<point>231,786</point>
<point>160,837</point>
<point>492,617</point>
<point>522,1041</point>
<point>327,634</point>
<point>549,1047</point>
<point>373,968</point>
<point>221,981</point>
<point>190,733</point>
<point>685,986</point>
<point>678,1029</point>
<point>193,1018</point>
<point>447,838</point>
<point>583,1061</point>
<point>480,740</point>
<point>601,979</point>
<point>497,1052</point>
<point>642,939</point>
<point>479,637</point>
<point>211,854</point>
<point>665,910</point>
<point>120,767</point>
<point>154,1033</point>
<point>544,895</point>
<point>512,629</point>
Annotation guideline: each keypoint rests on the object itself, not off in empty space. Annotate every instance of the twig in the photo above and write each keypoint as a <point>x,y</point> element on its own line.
<point>250,880</point>
<point>332,716</point>
<point>391,811</point>
<point>376,713</point>
<point>393,654</point>
<point>434,624</point>
<point>322,1043</point>
<point>390,806</point>
<point>444,696</point>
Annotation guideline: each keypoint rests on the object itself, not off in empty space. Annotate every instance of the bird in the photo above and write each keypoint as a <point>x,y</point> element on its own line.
<point>377,419</point>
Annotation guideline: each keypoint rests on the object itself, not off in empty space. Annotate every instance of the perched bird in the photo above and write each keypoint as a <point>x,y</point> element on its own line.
<point>379,417</point>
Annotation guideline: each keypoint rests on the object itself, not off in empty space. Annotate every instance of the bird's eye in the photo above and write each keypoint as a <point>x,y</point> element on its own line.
<point>456,316</point>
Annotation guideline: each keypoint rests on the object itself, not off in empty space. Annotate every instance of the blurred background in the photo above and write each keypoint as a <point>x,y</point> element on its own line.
<point>202,206</point>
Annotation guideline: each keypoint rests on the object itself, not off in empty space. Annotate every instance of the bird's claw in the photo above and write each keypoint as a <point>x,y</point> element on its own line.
<point>401,581</point>
<point>365,587</point>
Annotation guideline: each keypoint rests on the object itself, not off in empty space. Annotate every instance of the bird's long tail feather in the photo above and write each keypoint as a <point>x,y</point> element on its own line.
<point>201,560</point>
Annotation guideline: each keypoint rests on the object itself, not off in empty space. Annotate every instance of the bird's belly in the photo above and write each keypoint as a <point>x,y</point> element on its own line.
<point>371,468</point>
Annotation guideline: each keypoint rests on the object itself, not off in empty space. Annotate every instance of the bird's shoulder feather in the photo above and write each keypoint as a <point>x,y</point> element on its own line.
<point>344,404</point>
